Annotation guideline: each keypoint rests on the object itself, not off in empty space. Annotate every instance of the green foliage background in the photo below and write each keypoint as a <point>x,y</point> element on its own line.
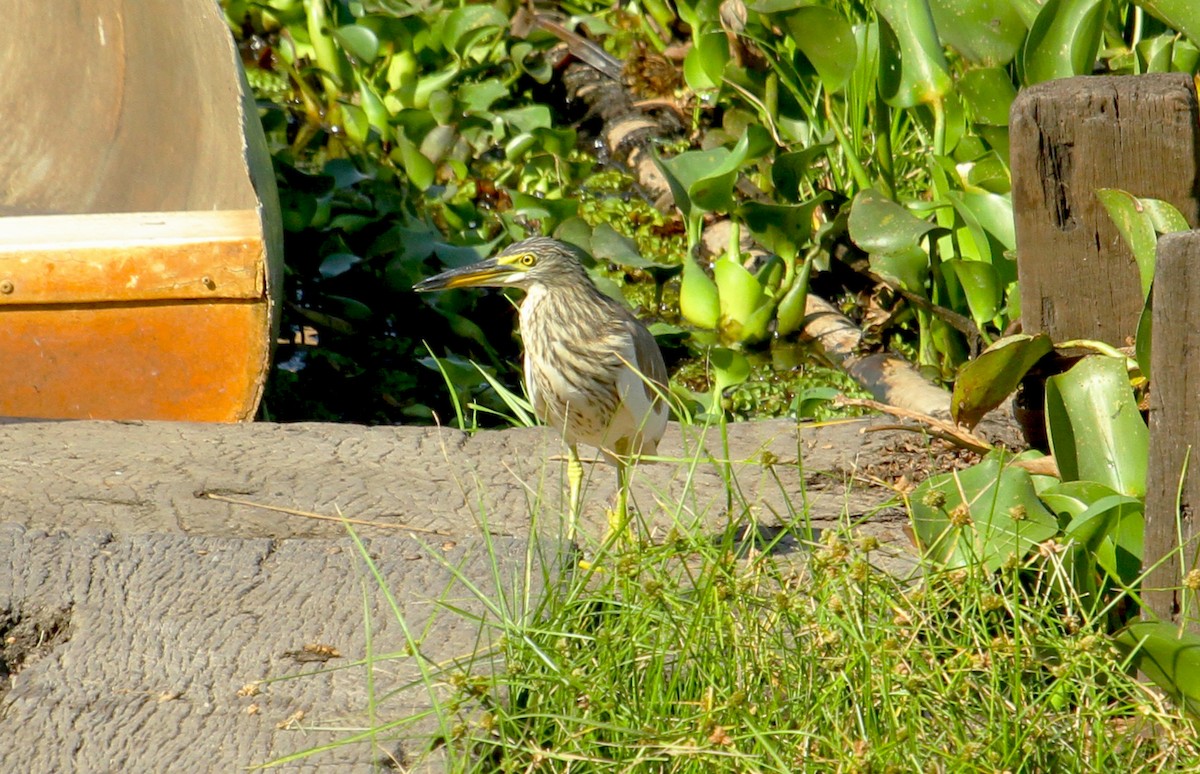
<point>409,136</point>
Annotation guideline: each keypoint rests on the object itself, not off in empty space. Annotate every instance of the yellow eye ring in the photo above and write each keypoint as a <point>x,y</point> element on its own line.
<point>528,260</point>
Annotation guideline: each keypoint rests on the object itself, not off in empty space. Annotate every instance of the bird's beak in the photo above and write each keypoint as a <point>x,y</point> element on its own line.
<point>489,273</point>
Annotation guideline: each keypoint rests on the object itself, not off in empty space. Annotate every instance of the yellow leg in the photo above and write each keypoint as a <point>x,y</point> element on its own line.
<point>575,496</point>
<point>618,518</point>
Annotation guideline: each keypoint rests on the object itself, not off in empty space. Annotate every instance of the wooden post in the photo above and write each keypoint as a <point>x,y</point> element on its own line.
<point>1070,137</point>
<point>1171,510</point>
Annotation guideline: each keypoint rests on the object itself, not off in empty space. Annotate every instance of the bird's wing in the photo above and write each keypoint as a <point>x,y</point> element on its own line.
<point>649,360</point>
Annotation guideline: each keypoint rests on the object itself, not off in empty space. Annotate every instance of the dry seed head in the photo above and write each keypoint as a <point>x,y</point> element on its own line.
<point>960,516</point>
<point>934,498</point>
<point>1192,580</point>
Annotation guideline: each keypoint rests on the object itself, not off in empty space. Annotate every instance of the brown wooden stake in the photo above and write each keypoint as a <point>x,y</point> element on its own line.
<point>1171,528</point>
<point>1070,137</point>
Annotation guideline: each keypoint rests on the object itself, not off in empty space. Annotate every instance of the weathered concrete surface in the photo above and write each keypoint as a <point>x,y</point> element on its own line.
<point>145,477</point>
<point>133,611</point>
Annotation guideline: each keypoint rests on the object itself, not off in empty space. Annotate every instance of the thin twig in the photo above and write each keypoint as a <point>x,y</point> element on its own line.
<point>933,426</point>
<point>319,516</point>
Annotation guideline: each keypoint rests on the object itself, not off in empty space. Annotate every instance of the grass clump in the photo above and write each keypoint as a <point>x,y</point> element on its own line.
<point>701,655</point>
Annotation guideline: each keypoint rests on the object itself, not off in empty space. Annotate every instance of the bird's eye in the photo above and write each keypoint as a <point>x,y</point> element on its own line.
<point>528,260</point>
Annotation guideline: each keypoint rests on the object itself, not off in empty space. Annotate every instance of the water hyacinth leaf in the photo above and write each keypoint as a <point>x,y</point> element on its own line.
<point>982,514</point>
<point>479,97</point>
<point>988,93</point>
<point>1094,426</point>
<point>344,173</point>
<point>981,285</point>
<point>879,225</point>
<point>418,169</point>
<point>1071,499</point>
<point>782,228</point>
<point>985,382</point>
<point>336,264</point>
<point>699,13</point>
<point>434,85</point>
<point>1182,15</point>
<point>1155,54</point>
<point>355,123</point>
<point>730,368</point>
<point>826,39</point>
<point>913,69</point>
<point>791,170</point>
<point>378,116</point>
<point>987,32</point>
<point>698,301</point>
<point>1136,228</point>
<point>1165,217</point>
<point>704,65</point>
<point>909,267</point>
<point>1063,40</point>
<point>703,180</point>
<point>792,308</point>
<point>988,174</point>
<point>1185,57</point>
<point>358,41</point>
<point>1143,337</point>
<point>739,299</point>
<point>550,212</point>
<point>994,214</point>
<point>531,63</point>
<point>1167,655</point>
<point>1100,519</point>
<point>527,119</point>
<point>469,24</point>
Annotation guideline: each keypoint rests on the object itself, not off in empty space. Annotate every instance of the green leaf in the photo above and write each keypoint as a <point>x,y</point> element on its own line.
<point>698,301</point>
<point>704,64</point>
<point>1136,228</point>
<point>981,285</point>
<point>358,41</point>
<point>419,170</point>
<point>703,180</point>
<point>993,492</point>
<point>879,225</point>
<point>994,214</point>
<point>1063,40</point>
<point>1095,428</point>
<point>550,212</point>
<point>478,97</point>
<point>1100,519</point>
<point>985,382</point>
<point>913,65</point>
<point>739,298</point>
<point>988,93</point>
<point>827,40</point>
<point>468,24</point>
<point>1182,15</point>
<point>782,228</point>
<point>729,369</point>
<point>1168,656</point>
<point>336,264</point>
<point>790,170</point>
<point>1143,338</point>
<point>1165,217</point>
<point>987,32</point>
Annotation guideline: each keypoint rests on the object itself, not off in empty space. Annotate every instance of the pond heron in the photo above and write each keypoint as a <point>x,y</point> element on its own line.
<point>592,370</point>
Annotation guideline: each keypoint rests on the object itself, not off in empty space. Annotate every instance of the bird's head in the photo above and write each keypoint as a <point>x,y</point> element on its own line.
<point>536,261</point>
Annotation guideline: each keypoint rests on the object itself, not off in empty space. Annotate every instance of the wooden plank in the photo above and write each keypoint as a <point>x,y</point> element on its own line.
<point>131,257</point>
<point>1070,137</point>
<point>1174,427</point>
<point>189,360</point>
